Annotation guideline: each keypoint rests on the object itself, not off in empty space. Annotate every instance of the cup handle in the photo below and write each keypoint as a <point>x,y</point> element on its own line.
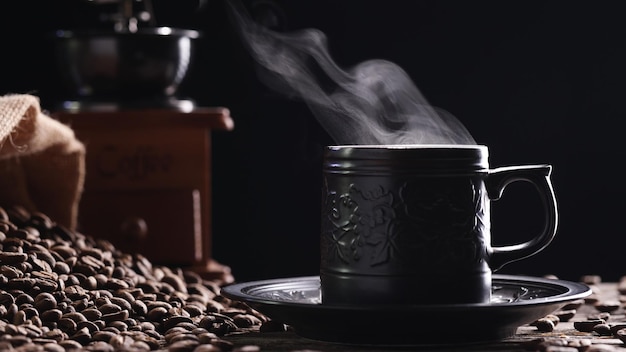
<point>539,176</point>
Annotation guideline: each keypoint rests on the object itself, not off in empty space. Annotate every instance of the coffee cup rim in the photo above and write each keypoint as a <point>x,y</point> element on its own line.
<point>408,146</point>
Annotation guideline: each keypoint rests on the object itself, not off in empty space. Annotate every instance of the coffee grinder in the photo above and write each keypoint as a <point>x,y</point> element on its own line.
<point>148,166</point>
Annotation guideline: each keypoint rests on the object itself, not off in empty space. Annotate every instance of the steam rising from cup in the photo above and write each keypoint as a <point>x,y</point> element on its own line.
<point>374,102</point>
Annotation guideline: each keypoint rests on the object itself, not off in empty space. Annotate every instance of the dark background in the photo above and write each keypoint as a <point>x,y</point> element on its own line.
<point>536,81</point>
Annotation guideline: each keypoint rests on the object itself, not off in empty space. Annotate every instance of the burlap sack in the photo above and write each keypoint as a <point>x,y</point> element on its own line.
<point>42,164</point>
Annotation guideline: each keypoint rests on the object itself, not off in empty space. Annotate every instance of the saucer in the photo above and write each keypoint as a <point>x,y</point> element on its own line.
<point>516,300</point>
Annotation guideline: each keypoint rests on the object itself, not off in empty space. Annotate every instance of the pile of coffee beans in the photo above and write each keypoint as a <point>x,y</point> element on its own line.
<point>61,290</point>
<point>598,322</point>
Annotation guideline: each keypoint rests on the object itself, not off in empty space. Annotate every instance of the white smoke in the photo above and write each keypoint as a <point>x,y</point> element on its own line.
<point>374,102</point>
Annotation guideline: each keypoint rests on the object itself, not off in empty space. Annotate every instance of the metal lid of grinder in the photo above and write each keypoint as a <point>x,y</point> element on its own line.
<point>126,61</point>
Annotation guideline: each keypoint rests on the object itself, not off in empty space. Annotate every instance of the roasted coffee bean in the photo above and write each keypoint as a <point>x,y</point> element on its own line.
<point>23,298</point>
<point>81,304</point>
<point>108,308</point>
<point>53,347</point>
<point>158,304</point>
<point>146,297</point>
<point>187,326</point>
<point>139,308</point>
<point>553,318</point>
<point>248,320</point>
<point>44,254</point>
<point>116,284</point>
<point>91,314</point>
<point>146,325</point>
<point>6,299</point>
<point>201,290</point>
<point>131,322</point>
<point>587,325</point>
<point>214,307</point>
<point>91,326</point>
<point>69,345</point>
<point>104,293</point>
<point>38,264</point>
<point>11,272</point>
<point>176,282</point>
<point>77,317</point>
<point>206,337</point>
<point>115,317</point>
<point>194,310</point>
<point>65,307</point>
<point>67,325</point>
<point>175,320</point>
<point>123,298</point>
<point>152,342</point>
<point>32,330</point>
<point>607,306</point>
<point>71,262</point>
<point>181,337</point>
<point>101,324</point>
<point>101,300</point>
<point>178,311</point>
<point>19,318</point>
<point>89,283</point>
<point>11,311</point>
<point>54,334</point>
<point>209,348</point>
<point>13,329</point>
<point>273,326</point>
<point>36,321</point>
<point>75,292</point>
<point>52,315</point>
<point>153,333</point>
<point>120,342</point>
<point>40,221</point>
<point>55,255</point>
<point>84,269</point>
<point>175,331</point>
<point>105,336</point>
<point>46,285</point>
<point>82,336</point>
<point>603,330</point>
<point>101,346</point>
<point>157,314</point>
<point>64,251</point>
<point>101,280</point>
<point>565,315</point>
<point>118,325</point>
<point>61,268</point>
<point>30,312</point>
<point>183,346</point>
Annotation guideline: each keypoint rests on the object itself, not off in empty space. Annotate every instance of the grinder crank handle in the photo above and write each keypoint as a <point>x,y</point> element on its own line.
<point>539,176</point>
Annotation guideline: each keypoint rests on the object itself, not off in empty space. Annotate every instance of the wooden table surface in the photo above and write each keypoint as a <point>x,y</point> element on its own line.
<point>527,338</point>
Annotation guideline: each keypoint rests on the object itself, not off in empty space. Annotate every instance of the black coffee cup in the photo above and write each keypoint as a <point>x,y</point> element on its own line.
<point>410,224</point>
